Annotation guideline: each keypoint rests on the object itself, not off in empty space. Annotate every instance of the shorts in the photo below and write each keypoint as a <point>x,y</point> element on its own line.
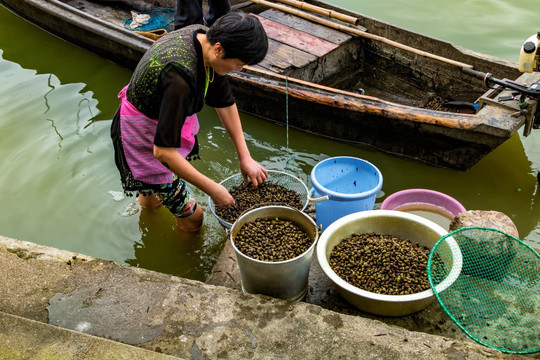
<point>174,196</point>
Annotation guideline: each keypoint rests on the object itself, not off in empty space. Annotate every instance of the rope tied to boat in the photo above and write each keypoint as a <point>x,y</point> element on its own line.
<point>289,156</point>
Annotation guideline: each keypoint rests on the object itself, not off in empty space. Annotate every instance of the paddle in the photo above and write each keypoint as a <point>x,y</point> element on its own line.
<point>358,32</point>
<point>320,10</point>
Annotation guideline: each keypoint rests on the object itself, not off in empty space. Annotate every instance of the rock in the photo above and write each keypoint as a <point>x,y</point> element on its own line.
<point>483,218</point>
<point>481,248</point>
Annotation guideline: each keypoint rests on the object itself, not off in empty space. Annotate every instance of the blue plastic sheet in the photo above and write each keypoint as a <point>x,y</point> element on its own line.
<point>160,18</point>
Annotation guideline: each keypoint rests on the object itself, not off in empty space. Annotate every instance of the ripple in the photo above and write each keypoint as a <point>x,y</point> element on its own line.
<point>131,209</point>
<point>117,195</point>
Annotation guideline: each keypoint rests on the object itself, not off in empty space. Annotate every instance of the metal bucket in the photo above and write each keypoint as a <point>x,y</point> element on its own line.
<point>282,279</point>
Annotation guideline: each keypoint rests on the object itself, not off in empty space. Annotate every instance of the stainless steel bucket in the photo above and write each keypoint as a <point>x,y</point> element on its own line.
<point>282,279</point>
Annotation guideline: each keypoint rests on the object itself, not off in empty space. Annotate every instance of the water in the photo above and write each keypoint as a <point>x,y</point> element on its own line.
<point>495,27</point>
<point>59,186</point>
<point>431,212</point>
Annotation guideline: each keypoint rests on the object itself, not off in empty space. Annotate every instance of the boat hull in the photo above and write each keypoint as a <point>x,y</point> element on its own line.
<point>445,139</point>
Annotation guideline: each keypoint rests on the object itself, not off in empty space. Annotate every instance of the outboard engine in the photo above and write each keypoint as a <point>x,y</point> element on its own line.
<point>530,54</point>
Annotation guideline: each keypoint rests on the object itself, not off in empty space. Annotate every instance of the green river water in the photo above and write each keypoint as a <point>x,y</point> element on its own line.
<point>59,186</point>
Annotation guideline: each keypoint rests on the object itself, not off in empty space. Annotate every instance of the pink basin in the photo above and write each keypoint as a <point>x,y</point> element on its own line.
<point>422,196</point>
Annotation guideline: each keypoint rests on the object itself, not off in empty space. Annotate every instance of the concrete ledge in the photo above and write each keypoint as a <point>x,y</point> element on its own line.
<point>190,319</point>
<point>322,292</point>
<point>23,339</point>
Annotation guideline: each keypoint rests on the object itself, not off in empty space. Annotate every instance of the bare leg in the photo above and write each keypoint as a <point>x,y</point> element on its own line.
<point>149,202</point>
<point>193,222</point>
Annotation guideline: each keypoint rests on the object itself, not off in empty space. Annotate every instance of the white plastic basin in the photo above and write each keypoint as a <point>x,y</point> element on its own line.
<point>398,224</point>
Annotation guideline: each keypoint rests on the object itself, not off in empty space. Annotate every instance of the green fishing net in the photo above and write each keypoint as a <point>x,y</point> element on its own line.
<point>488,282</point>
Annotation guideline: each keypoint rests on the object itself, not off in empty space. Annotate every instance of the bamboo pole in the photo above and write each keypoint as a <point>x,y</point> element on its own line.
<point>309,84</point>
<point>320,10</point>
<point>361,33</point>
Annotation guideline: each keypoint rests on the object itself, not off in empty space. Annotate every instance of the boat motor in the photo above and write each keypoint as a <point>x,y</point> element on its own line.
<point>532,92</point>
<point>530,54</point>
<point>529,61</point>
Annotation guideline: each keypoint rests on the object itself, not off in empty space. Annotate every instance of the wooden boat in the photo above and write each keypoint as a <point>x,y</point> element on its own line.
<point>316,66</point>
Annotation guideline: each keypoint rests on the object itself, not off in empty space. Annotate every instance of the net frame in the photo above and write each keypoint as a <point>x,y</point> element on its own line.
<point>495,299</point>
<point>284,179</point>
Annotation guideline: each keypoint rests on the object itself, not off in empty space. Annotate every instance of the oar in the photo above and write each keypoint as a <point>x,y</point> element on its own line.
<point>320,10</point>
<point>361,33</point>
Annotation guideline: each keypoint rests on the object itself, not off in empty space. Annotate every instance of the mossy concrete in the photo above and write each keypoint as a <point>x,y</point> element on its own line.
<point>194,320</point>
<point>23,339</point>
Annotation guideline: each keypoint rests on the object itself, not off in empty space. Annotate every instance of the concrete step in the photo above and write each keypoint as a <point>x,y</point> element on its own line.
<point>23,339</point>
<point>185,318</point>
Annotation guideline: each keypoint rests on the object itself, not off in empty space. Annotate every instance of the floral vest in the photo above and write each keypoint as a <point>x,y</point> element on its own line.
<point>175,50</point>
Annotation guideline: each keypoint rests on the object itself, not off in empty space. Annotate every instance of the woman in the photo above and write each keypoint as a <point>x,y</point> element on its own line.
<point>154,130</point>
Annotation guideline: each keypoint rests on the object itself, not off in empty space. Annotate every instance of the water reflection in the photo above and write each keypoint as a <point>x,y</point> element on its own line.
<point>52,159</point>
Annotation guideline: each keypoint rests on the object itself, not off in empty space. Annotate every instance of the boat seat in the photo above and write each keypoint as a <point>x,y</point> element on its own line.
<point>294,43</point>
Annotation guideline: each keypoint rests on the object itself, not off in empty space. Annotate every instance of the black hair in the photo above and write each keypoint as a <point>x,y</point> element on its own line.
<point>241,35</point>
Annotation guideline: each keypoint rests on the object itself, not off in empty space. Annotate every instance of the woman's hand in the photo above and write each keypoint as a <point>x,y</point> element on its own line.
<point>253,171</point>
<point>221,197</point>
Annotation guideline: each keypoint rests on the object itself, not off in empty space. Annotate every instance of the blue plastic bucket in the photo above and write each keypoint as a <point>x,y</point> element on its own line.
<point>343,185</point>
